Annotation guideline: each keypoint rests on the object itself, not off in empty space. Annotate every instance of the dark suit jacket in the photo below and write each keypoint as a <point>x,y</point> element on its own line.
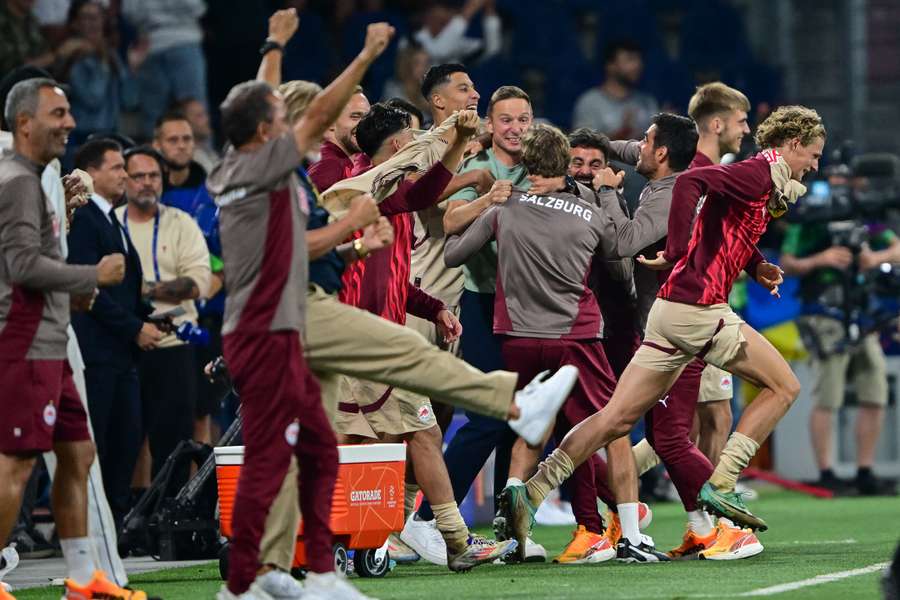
<point>106,334</point>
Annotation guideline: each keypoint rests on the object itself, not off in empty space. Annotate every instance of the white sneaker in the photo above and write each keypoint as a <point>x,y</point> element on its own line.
<point>425,539</point>
<point>552,512</point>
<point>10,561</point>
<point>254,593</point>
<point>279,585</point>
<point>539,402</point>
<point>534,552</point>
<point>331,586</point>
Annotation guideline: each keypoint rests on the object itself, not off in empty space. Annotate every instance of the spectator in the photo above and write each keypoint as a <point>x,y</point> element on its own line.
<point>113,332</point>
<point>175,68</point>
<point>616,108</point>
<point>196,114</point>
<point>412,63</point>
<point>176,269</point>
<point>21,40</point>
<point>101,85</point>
<point>174,139</point>
<point>443,35</point>
<point>339,146</point>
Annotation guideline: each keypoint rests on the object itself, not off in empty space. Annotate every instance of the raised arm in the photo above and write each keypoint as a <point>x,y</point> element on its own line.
<point>625,151</point>
<point>282,27</point>
<point>329,103</point>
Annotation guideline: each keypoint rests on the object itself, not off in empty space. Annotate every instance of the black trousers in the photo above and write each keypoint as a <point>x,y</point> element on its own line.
<point>114,399</point>
<point>168,399</point>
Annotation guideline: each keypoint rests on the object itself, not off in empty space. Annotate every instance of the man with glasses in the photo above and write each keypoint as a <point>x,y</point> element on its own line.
<point>176,269</point>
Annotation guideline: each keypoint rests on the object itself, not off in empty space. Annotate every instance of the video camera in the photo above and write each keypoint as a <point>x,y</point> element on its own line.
<point>856,193</point>
<point>865,187</point>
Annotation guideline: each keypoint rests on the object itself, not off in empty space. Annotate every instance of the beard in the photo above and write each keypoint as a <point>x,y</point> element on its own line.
<point>145,200</point>
<point>349,143</point>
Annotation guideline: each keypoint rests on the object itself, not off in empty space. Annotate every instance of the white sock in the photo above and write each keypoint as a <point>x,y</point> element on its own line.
<point>700,522</point>
<point>513,481</point>
<point>628,517</point>
<point>80,562</point>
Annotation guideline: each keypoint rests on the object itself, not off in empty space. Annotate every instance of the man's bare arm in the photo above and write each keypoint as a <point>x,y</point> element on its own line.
<point>329,103</point>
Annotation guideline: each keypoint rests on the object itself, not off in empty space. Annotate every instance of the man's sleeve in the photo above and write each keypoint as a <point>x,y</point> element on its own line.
<point>682,212</point>
<point>423,305</point>
<point>625,151</point>
<point>422,193</point>
<point>20,243</point>
<point>648,226</point>
<point>458,248</point>
<point>83,250</point>
<point>719,183</point>
<point>193,260</point>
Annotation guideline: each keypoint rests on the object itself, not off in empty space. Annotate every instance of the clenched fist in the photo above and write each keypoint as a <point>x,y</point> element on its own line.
<point>500,191</point>
<point>363,211</point>
<point>283,25</point>
<point>378,36</point>
<point>608,177</point>
<point>467,123</point>
<point>111,270</point>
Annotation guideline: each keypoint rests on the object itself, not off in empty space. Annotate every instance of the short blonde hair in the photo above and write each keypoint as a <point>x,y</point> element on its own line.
<point>789,122</point>
<point>714,99</point>
<point>297,96</point>
<point>545,151</point>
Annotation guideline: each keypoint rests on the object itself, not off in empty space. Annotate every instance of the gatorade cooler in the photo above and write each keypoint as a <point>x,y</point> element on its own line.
<point>367,505</point>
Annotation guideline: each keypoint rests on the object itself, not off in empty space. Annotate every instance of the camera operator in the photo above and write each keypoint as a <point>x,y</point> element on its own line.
<point>176,269</point>
<point>828,264</point>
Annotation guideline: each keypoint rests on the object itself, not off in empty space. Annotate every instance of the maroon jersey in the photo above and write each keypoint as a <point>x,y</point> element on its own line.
<point>731,220</point>
<point>381,284</point>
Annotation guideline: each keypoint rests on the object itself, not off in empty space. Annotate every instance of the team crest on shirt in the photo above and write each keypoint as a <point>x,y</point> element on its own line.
<point>50,415</point>
<point>725,383</point>
<point>664,401</point>
<point>292,433</point>
<point>424,414</point>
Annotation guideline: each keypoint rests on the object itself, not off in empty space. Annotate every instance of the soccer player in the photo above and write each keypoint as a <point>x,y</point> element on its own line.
<point>691,317</point>
<point>721,116</point>
<point>36,290</point>
<point>546,315</point>
<point>262,228</point>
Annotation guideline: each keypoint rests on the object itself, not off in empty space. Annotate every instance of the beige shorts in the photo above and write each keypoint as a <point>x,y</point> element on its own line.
<point>864,365</point>
<point>371,409</point>
<point>677,332</point>
<point>715,385</point>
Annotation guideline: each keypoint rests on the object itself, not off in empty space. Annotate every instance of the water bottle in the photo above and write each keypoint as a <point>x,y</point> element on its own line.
<point>192,334</point>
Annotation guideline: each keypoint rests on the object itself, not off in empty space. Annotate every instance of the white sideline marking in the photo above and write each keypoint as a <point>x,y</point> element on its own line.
<point>814,542</point>
<point>817,580</point>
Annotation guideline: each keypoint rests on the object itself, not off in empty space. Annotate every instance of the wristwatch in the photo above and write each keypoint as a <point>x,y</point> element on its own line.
<point>361,249</point>
<point>269,46</point>
<point>606,188</point>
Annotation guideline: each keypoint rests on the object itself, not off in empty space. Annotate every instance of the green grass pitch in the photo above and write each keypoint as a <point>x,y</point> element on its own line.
<point>807,538</point>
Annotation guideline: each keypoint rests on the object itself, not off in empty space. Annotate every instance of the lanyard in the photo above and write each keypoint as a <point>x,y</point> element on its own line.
<point>155,239</point>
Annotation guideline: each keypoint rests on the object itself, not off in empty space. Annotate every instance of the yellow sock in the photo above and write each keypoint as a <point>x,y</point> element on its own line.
<point>552,471</point>
<point>451,525</point>
<point>644,456</point>
<point>736,455</point>
<point>410,491</point>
